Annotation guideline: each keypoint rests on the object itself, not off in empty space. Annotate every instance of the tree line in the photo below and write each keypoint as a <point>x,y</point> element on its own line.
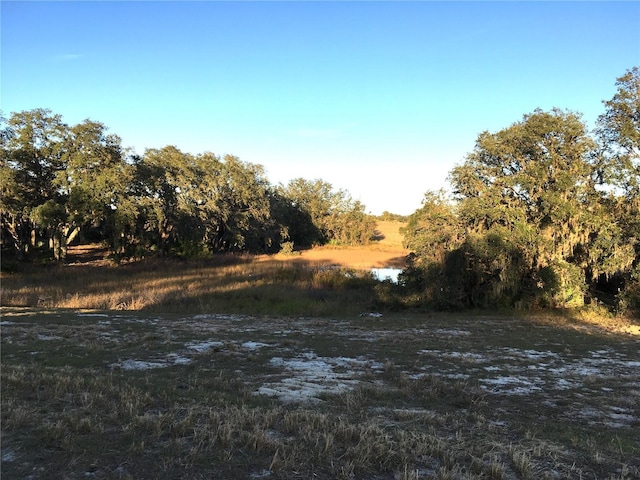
<point>61,183</point>
<point>542,213</point>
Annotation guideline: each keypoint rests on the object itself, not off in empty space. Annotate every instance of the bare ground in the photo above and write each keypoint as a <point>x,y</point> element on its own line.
<point>133,395</point>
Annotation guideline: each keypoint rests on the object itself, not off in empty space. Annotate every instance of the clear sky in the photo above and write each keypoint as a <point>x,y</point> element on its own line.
<point>381,99</point>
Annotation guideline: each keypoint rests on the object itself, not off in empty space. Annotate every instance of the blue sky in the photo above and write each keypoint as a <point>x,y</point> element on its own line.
<point>380,99</point>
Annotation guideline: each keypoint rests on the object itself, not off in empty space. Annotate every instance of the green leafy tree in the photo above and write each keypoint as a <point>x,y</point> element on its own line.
<point>618,133</point>
<point>314,198</point>
<point>535,173</point>
<point>164,179</point>
<point>433,229</point>
<point>619,130</point>
<point>530,188</point>
<point>432,233</point>
<point>302,206</point>
<point>95,183</point>
<point>59,181</point>
<point>191,205</point>
<point>12,219</point>
<point>292,225</point>
<point>32,150</point>
<point>235,204</point>
<point>388,216</point>
<point>334,215</point>
<point>352,225</point>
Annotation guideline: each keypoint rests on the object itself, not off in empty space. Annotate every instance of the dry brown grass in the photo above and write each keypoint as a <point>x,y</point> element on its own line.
<point>226,284</point>
<point>309,283</point>
<point>386,251</point>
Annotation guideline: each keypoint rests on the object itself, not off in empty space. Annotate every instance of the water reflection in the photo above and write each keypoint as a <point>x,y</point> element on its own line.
<point>386,274</point>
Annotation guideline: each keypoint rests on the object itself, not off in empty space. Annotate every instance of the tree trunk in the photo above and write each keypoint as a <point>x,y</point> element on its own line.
<point>71,236</point>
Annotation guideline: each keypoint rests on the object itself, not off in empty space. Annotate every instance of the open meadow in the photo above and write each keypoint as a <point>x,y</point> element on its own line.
<point>319,281</point>
<point>284,368</point>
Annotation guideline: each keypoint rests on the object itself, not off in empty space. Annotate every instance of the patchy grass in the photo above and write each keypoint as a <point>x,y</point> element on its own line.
<point>108,394</point>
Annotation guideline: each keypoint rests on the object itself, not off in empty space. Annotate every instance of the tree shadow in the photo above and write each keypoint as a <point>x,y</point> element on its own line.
<point>397,262</point>
<point>377,236</point>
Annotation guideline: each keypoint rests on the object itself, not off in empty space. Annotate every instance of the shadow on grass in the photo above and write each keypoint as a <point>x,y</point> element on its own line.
<point>229,283</point>
<point>378,236</point>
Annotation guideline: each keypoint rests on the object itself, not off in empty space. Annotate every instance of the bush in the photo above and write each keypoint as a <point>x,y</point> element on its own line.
<point>629,298</point>
<point>563,285</point>
<point>287,249</point>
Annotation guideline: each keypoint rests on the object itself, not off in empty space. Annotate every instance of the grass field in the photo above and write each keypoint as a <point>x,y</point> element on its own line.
<point>284,368</point>
<point>321,281</point>
<point>386,251</point>
<point>88,394</point>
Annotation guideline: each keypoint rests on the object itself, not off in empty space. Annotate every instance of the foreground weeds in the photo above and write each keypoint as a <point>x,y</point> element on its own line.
<point>96,394</point>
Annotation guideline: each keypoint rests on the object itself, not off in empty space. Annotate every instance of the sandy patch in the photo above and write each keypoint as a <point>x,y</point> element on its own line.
<point>171,360</point>
<point>202,347</point>
<point>309,376</point>
<point>254,345</point>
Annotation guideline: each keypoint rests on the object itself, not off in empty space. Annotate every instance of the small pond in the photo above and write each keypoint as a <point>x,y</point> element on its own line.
<point>386,273</point>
